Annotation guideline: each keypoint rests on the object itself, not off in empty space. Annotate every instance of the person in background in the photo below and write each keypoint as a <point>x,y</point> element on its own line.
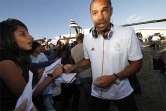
<point>70,92</point>
<point>38,57</point>
<point>163,63</point>
<point>49,50</point>
<point>84,74</point>
<point>109,49</point>
<point>59,49</point>
<point>156,41</point>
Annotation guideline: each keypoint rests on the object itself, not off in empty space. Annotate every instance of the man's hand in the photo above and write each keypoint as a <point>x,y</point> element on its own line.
<point>104,81</point>
<point>69,67</point>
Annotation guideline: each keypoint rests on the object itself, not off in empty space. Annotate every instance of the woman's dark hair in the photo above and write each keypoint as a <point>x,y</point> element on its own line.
<point>7,39</point>
<point>34,46</point>
<point>8,42</point>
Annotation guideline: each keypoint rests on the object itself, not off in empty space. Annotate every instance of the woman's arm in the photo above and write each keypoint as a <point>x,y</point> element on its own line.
<point>11,74</point>
<point>57,71</point>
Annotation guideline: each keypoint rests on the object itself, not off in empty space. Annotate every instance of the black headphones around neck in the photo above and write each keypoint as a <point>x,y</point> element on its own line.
<point>107,33</point>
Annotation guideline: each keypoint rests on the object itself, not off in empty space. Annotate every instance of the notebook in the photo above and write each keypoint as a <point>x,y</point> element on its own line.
<point>66,78</point>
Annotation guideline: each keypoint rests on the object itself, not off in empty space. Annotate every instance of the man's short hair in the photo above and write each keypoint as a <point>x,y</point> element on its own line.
<point>94,0</point>
<point>79,36</point>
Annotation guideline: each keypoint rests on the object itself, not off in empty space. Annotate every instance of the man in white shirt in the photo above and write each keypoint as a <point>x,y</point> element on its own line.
<point>109,49</point>
<point>156,41</point>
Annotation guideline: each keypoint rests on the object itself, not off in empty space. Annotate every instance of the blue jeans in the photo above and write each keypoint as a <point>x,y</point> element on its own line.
<point>48,102</point>
<point>86,84</point>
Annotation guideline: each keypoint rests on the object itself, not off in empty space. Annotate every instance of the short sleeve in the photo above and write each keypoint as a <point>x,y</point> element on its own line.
<point>86,55</point>
<point>134,49</point>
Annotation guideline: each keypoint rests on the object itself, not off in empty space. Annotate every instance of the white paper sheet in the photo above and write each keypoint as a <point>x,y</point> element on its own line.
<point>48,69</point>
<point>68,77</point>
<point>27,94</point>
<point>56,89</point>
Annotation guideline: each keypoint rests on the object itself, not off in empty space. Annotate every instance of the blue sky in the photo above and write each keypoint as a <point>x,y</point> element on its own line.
<point>51,18</point>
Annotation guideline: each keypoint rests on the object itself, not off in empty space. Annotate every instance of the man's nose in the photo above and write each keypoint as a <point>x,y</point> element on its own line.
<point>100,16</point>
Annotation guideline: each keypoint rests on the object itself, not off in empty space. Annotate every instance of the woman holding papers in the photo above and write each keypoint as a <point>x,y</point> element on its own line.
<point>15,41</point>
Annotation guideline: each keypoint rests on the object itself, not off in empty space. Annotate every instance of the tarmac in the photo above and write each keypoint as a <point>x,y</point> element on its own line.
<point>156,54</point>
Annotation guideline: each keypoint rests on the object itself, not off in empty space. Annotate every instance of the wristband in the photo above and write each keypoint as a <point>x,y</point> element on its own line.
<point>63,69</point>
<point>51,76</point>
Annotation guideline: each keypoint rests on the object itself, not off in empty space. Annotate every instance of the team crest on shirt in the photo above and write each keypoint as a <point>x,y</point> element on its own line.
<point>117,46</point>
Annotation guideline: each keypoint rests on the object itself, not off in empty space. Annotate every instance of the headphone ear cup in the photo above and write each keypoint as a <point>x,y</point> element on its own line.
<point>110,34</point>
<point>106,34</point>
<point>94,33</point>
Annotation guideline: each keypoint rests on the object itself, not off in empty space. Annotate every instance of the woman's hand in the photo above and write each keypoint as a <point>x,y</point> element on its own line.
<point>40,73</point>
<point>58,71</point>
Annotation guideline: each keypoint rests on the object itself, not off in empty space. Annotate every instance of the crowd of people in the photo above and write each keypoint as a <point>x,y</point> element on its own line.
<point>21,53</point>
<point>106,61</point>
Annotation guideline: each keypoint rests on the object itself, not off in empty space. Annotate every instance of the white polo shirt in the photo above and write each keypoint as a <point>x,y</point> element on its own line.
<point>155,38</point>
<point>113,55</point>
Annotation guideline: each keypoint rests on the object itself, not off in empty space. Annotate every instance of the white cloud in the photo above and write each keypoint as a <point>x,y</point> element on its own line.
<point>133,18</point>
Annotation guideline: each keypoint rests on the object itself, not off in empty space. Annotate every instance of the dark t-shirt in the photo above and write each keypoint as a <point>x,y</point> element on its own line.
<point>7,98</point>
